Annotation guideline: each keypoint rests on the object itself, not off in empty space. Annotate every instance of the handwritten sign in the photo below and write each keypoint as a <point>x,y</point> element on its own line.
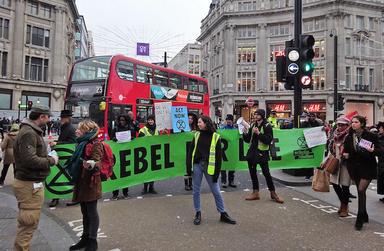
<point>315,136</point>
<point>180,119</point>
<point>365,144</point>
<point>163,115</point>
<point>124,136</point>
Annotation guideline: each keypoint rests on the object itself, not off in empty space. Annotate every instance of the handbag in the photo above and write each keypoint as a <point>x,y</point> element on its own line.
<point>331,164</point>
<point>320,181</point>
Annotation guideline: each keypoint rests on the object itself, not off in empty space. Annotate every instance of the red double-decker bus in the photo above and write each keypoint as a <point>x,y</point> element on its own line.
<point>102,87</point>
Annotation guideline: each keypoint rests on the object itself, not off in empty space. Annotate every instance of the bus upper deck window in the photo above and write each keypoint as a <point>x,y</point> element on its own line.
<point>125,70</point>
<point>143,74</point>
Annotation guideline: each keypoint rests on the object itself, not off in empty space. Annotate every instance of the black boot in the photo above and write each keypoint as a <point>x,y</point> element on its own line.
<point>81,244</point>
<point>190,184</point>
<point>53,203</point>
<point>232,184</point>
<point>152,188</point>
<point>226,219</point>
<point>186,185</point>
<point>91,245</point>
<point>197,219</point>
<point>359,222</point>
<point>145,189</point>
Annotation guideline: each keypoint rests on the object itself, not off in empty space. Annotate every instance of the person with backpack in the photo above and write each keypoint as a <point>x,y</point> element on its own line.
<point>149,130</point>
<point>260,136</point>
<point>85,168</point>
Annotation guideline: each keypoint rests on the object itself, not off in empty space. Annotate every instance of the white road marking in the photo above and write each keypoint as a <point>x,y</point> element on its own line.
<point>169,195</point>
<point>139,197</point>
<point>77,226</point>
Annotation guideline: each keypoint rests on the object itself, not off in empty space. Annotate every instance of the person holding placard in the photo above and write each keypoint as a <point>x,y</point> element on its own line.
<point>149,130</point>
<point>123,125</point>
<point>360,149</point>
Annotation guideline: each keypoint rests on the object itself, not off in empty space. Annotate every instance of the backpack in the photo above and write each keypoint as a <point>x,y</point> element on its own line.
<point>107,162</point>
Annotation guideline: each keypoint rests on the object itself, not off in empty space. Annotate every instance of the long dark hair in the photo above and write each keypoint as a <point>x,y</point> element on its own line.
<point>208,123</point>
<point>362,120</point>
<point>194,121</point>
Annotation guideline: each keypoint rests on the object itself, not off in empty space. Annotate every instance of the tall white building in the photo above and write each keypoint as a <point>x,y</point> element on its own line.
<point>37,50</point>
<point>241,38</point>
<point>187,60</point>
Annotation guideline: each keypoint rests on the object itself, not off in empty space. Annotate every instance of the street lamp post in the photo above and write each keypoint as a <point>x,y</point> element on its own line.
<point>335,103</point>
<point>26,106</point>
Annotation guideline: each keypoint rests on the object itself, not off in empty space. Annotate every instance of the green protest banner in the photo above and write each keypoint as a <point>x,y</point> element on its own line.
<point>162,157</point>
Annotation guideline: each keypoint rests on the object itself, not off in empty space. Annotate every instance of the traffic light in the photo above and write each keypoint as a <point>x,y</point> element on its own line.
<point>306,65</point>
<point>29,105</point>
<point>340,102</point>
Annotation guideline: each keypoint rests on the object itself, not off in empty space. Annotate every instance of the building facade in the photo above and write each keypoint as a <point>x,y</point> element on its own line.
<point>37,45</point>
<point>187,60</point>
<point>83,40</point>
<point>240,40</point>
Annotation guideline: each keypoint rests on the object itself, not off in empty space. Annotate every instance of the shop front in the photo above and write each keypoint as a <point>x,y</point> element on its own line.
<point>242,109</point>
<point>364,108</point>
<point>283,109</point>
<point>317,107</point>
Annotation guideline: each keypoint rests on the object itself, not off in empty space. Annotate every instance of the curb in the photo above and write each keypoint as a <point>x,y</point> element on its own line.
<point>55,233</point>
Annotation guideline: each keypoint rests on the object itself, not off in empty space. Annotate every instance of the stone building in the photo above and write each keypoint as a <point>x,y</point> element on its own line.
<point>187,60</point>
<point>240,39</point>
<point>37,50</point>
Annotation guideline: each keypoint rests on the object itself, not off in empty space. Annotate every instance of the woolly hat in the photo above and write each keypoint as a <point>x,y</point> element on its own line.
<point>261,112</point>
<point>343,120</point>
<point>229,117</point>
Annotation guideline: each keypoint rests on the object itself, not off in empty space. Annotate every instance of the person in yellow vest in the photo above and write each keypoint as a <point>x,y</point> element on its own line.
<point>149,130</point>
<point>272,119</point>
<point>204,158</point>
<point>259,136</point>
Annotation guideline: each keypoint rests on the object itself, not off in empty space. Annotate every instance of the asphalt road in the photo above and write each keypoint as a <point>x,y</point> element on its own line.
<point>164,221</point>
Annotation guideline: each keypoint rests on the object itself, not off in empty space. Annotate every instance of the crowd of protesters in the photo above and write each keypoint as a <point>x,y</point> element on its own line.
<point>359,149</point>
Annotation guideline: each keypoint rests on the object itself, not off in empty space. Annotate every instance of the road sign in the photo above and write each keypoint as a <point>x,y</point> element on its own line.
<point>250,102</point>
<point>293,68</point>
<point>305,80</point>
<point>293,55</point>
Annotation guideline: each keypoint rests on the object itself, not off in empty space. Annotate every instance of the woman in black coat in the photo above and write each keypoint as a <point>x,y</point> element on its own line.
<point>123,124</point>
<point>360,149</point>
<point>380,167</point>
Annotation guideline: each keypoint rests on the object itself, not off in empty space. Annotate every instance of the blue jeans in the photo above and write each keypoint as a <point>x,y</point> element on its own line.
<point>198,172</point>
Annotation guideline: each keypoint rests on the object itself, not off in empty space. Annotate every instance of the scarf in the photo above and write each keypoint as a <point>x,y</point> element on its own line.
<point>73,166</point>
<point>339,136</point>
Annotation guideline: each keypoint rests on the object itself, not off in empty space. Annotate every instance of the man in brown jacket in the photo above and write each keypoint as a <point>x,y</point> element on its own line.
<point>32,167</point>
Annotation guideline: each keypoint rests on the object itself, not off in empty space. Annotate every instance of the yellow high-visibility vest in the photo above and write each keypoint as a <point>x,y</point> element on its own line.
<point>261,146</point>
<point>146,132</point>
<point>212,152</point>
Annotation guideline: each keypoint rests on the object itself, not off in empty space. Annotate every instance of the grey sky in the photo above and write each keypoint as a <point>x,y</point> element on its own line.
<point>166,24</point>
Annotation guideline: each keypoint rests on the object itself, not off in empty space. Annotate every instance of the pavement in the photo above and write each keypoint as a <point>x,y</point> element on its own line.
<point>51,234</point>
<point>306,221</point>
